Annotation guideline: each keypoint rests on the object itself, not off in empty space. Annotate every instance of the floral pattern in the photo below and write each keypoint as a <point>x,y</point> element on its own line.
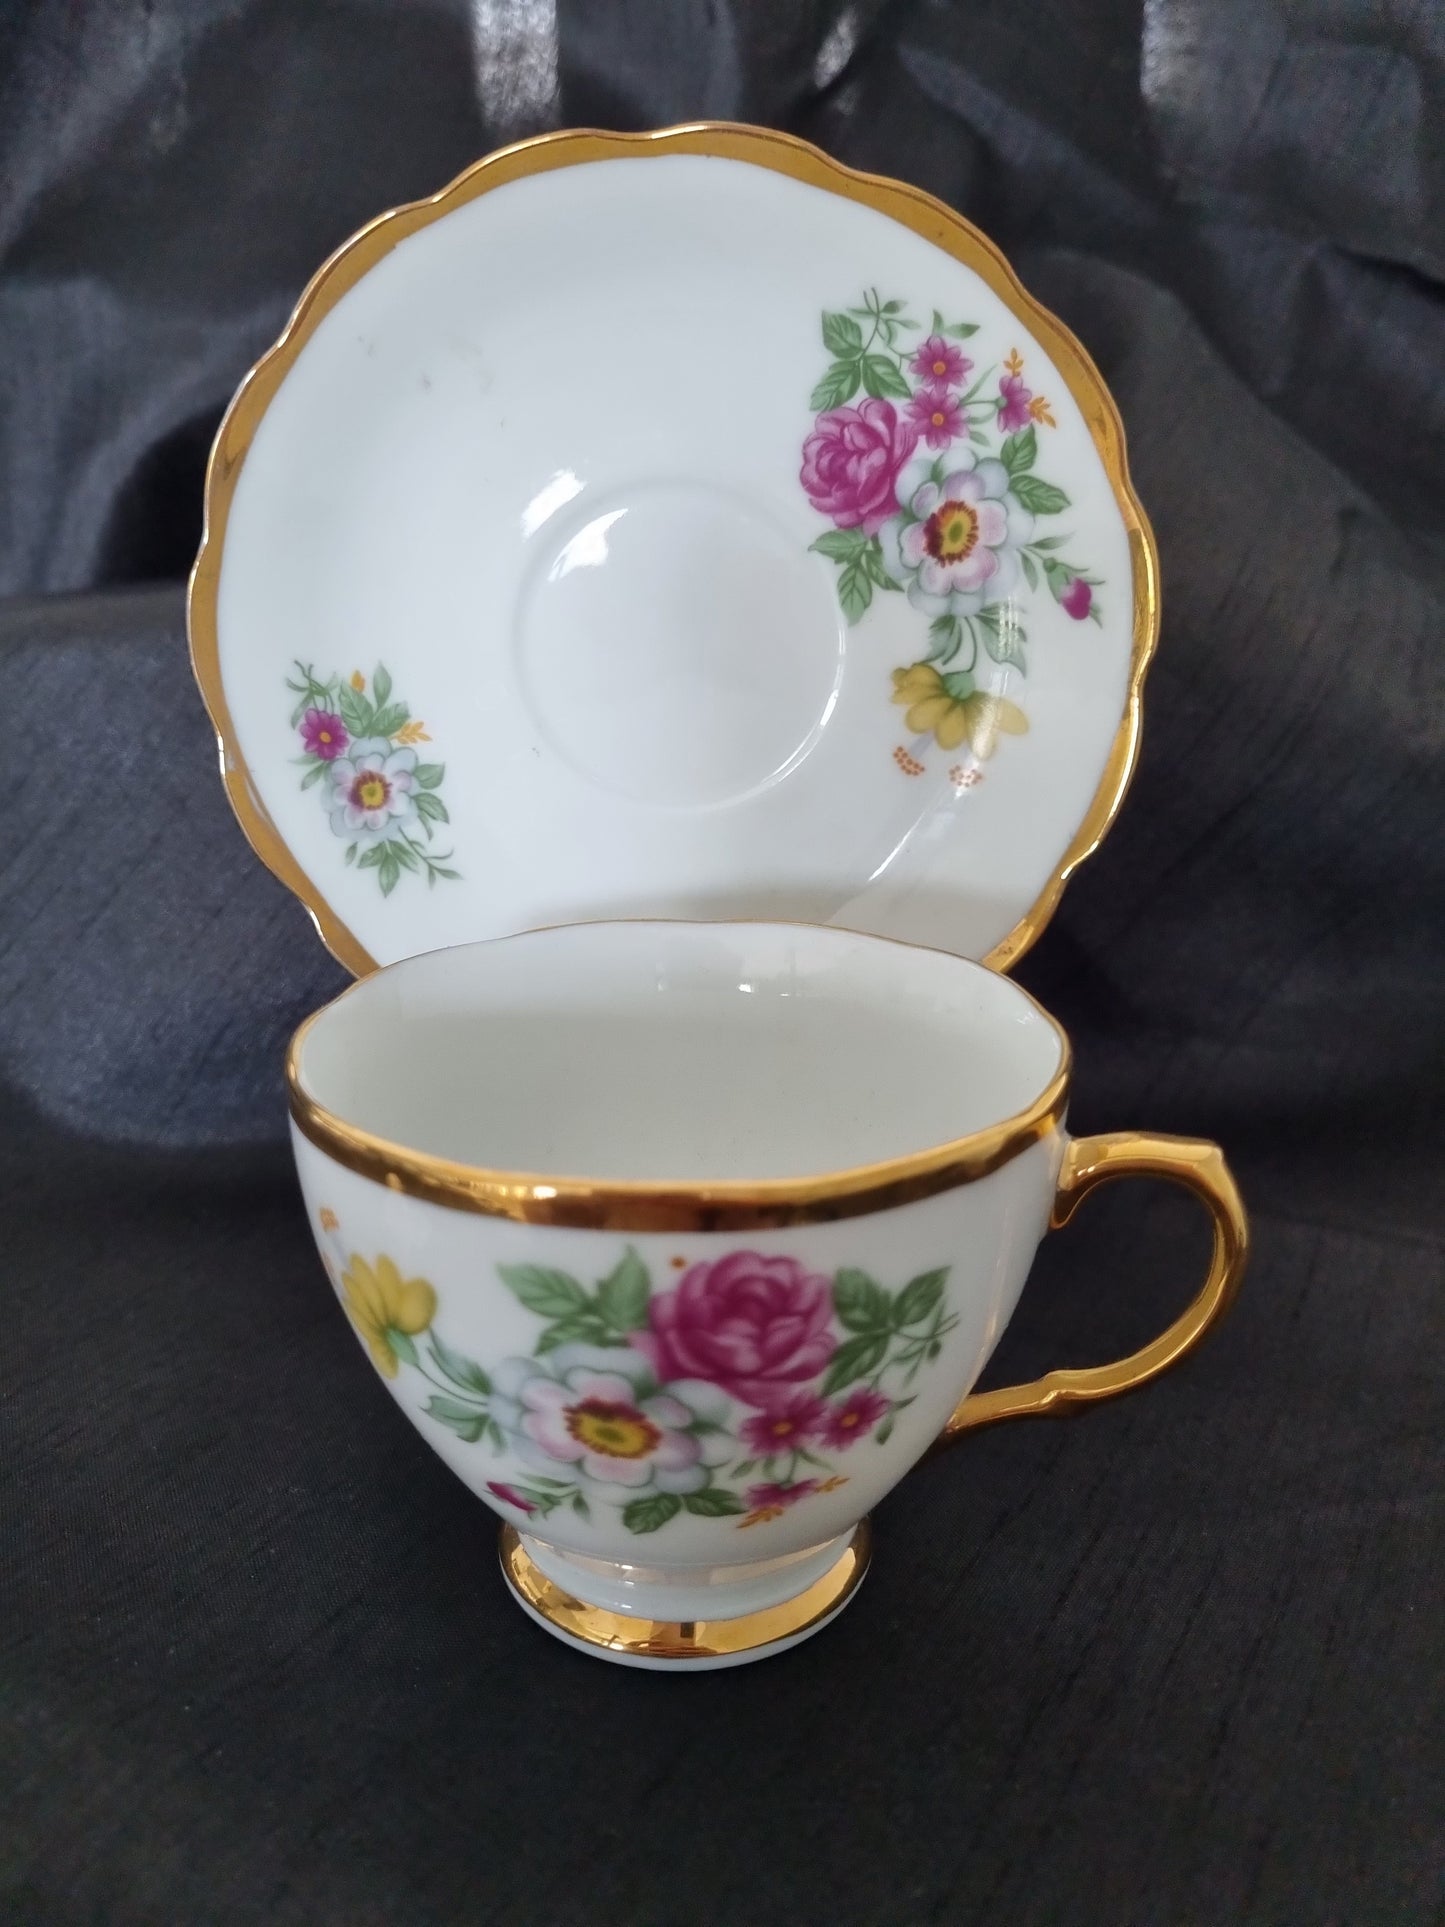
<point>358,750</point>
<point>930,483</point>
<point>734,1394</point>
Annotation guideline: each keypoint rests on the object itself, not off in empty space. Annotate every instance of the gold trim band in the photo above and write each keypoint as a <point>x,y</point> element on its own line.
<point>681,1640</point>
<point>761,147</point>
<point>598,1204</point>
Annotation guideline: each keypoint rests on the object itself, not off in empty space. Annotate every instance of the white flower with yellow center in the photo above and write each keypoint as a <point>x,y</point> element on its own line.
<point>370,790</point>
<point>955,545</point>
<point>598,1415</point>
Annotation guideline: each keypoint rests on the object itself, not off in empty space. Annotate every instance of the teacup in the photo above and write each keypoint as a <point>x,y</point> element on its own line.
<point>681,1243</point>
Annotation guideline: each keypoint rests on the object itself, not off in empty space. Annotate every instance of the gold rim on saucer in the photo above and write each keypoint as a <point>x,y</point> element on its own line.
<point>680,1642</point>
<point>783,154</point>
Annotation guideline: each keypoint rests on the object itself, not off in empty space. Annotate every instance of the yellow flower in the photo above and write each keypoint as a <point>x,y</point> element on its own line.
<point>379,1300</point>
<point>934,706</point>
<point>358,681</point>
<point>1040,411</point>
<point>1014,362</point>
<point>413,732</point>
<point>329,1219</point>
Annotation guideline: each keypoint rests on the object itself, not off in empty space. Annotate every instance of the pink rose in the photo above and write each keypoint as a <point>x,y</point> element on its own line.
<point>851,463</point>
<point>758,1327</point>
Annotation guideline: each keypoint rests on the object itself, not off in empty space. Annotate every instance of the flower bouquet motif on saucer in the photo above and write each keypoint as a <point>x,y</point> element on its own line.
<point>359,752</point>
<point>736,1394</point>
<point>931,484</point>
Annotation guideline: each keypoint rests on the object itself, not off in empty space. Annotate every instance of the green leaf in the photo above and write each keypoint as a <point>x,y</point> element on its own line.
<point>960,330</point>
<point>404,854</point>
<point>623,1294</point>
<point>861,1305</point>
<point>855,591</point>
<point>461,1371</point>
<point>881,377</point>
<point>1043,542</point>
<point>1042,498</point>
<point>1031,574</point>
<point>714,1503</point>
<point>854,1359</point>
<point>580,1506</point>
<point>401,1345</point>
<point>1004,641</point>
<point>369,859</point>
<point>1018,451</point>
<point>431,806</point>
<point>350,856</point>
<point>646,1515</point>
<point>428,775</point>
<point>581,1328</point>
<point>919,1298</point>
<point>465,1420</point>
<point>892,307</point>
<point>381,688</point>
<point>873,568</point>
<point>551,1294</point>
<point>438,871</point>
<point>842,336</point>
<point>388,721</point>
<point>356,711</point>
<point>959,684</point>
<point>840,545</point>
<point>946,635</point>
<point>884,1432</point>
<point>388,871</point>
<point>838,385</point>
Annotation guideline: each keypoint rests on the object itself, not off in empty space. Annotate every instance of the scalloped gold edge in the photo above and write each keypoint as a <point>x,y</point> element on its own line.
<point>602,1204</point>
<point>762,147</point>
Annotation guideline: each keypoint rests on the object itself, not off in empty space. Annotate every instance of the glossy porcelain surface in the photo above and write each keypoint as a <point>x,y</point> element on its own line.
<point>699,1400</point>
<point>679,527</point>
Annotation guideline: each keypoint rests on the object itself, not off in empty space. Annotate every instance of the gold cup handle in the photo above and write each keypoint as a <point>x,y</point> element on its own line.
<point>1091,1161</point>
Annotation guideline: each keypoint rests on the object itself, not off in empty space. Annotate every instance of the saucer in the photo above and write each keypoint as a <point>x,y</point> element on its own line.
<point>674,525</point>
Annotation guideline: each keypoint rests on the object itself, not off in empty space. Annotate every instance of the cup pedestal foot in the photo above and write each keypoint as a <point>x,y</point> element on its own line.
<point>639,1618</point>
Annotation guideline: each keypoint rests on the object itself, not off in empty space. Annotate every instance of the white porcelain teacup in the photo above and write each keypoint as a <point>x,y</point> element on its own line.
<point>681,1243</point>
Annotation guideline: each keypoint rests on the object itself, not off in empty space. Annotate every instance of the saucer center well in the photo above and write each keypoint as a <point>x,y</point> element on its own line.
<point>676,645</point>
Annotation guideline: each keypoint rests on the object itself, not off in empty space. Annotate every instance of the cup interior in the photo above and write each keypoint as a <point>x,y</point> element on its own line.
<point>679,1052</point>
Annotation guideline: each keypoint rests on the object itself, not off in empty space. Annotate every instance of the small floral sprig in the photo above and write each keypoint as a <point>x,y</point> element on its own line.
<point>923,499</point>
<point>728,1396</point>
<point>361,751</point>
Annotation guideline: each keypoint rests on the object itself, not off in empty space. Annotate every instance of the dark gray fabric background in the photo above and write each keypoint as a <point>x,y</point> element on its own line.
<point>1181,1661</point>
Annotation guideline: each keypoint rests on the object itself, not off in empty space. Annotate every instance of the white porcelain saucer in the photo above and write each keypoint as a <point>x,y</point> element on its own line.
<point>674,525</point>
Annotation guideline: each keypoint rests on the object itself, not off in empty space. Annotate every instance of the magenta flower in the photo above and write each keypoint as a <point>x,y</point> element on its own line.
<point>509,1495</point>
<point>1077,599</point>
<point>935,413</point>
<point>761,1497</point>
<point>323,734</point>
<point>855,1416</point>
<point>757,1327</point>
<point>938,362</point>
<point>851,462</point>
<point>791,1422</point>
<point>1013,403</point>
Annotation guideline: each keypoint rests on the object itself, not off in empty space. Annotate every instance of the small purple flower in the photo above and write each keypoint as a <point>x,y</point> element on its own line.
<point>939,363</point>
<point>766,1498</point>
<point>935,413</point>
<point>785,1426</point>
<point>1077,599</point>
<point>855,1416</point>
<point>323,734</point>
<point>1013,403</point>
